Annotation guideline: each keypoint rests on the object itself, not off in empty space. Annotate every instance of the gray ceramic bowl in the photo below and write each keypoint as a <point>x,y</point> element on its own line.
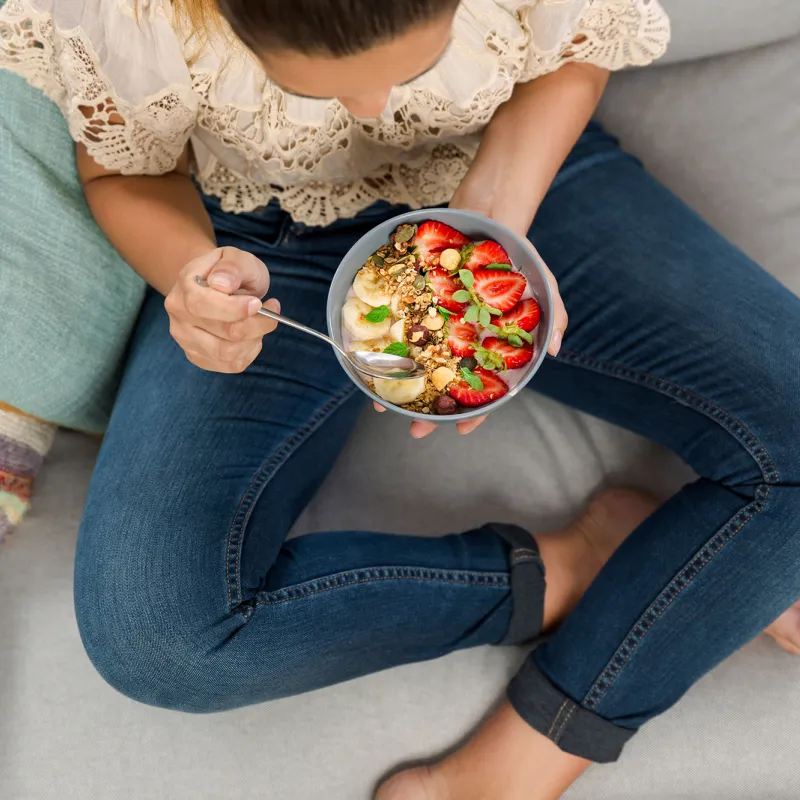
<point>477,227</point>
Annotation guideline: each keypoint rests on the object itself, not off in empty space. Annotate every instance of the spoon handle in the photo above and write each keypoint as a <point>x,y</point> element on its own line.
<point>265,312</point>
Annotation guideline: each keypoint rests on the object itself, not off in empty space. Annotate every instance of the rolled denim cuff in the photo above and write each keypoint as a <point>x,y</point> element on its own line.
<point>527,584</point>
<point>569,725</point>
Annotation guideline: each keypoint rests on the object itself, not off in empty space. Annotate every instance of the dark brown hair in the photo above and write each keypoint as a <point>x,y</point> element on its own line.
<point>319,27</point>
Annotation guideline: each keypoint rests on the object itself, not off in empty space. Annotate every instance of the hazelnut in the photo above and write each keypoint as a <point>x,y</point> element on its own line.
<point>435,323</point>
<point>441,376</point>
<point>445,405</point>
<point>450,259</point>
<point>418,335</point>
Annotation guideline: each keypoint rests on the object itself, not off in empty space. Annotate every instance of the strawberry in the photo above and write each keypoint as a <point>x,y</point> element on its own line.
<point>443,287</point>
<point>475,256</point>
<point>500,290</point>
<point>514,357</point>
<point>433,237</point>
<point>462,338</point>
<point>493,389</point>
<point>525,316</point>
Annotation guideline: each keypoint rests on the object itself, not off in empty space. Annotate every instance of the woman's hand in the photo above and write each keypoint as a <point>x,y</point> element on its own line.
<point>218,326</point>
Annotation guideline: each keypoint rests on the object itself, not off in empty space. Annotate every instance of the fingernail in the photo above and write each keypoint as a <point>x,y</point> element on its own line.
<point>221,280</point>
<point>555,343</point>
<point>274,305</point>
<point>253,305</point>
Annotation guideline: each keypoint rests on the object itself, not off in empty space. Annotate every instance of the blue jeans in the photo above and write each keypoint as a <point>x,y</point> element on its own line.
<point>189,597</point>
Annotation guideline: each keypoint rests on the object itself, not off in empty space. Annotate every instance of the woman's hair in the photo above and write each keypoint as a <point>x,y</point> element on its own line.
<point>314,27</point>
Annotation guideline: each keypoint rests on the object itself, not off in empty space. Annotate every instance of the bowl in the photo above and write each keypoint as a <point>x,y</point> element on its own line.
<point>523,255</point>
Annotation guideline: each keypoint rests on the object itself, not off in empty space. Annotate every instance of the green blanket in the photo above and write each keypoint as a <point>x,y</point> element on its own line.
<point>68,302</point>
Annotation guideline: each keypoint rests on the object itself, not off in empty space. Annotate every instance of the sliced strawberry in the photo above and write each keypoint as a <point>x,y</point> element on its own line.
<point>515,357</point>
<point>525,315</point>
<point>443,287</point>
<point>500,290</point>
<point>480,254</point>
<point>433,237</point>
<point>493,389</point>
<point>462,338</point>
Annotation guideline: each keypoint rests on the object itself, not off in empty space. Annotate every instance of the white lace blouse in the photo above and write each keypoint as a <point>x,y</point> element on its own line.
<point>252,142</point>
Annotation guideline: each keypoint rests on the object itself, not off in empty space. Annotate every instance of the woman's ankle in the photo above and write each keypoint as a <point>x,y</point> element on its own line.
<point>24,441</point>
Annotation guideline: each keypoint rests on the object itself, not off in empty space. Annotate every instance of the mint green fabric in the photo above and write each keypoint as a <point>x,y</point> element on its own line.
<point>67,300</point>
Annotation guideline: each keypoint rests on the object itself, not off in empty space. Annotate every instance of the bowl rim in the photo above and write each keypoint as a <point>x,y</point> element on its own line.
<point>477,220</point>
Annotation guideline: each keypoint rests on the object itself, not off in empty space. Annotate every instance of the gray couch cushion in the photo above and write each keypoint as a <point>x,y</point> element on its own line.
<point>709,27</point>
<point>67,736</point>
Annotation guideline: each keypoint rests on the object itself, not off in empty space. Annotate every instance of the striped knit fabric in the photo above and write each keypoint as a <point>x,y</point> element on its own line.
<point>24,441</point>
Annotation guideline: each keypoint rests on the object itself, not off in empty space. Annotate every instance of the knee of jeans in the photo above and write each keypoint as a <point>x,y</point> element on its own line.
<point>154,639</point>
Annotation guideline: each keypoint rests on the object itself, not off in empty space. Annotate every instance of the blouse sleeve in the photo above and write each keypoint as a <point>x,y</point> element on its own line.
<point>115,69</point>
<point>607,33</point>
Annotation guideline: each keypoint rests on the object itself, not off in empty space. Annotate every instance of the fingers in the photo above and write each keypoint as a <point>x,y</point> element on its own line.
<point>467,427</point>
<point>253,327</point>
<point>208,352</point>
<point>238,270</point>
<point>379,408</point>
<point>560,317</point>
<point>203,303</point>
<point>419,430</point>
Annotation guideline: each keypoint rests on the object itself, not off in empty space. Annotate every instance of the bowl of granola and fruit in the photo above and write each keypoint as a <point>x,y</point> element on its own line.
<point>459,293</point>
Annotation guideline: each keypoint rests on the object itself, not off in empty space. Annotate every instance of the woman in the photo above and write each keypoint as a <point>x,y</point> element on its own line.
<point>215,142</point>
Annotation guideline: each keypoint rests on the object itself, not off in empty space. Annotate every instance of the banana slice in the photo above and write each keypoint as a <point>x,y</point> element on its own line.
<point>370,346</point>
<point>399,392</point>
<point>371,287</point>
<point>397,333</point>
<point>361,329</point>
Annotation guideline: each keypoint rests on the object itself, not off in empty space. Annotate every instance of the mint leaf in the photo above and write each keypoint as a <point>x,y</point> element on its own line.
<point>484,317</point>
<point>494,311</point>
<point>472,379</point>
<point>525,336</point>
<point>378,314</point>
<point>444,312</point>
<point>461,296</point>
<point>515,340</point>
<point>467,278</point>
<point>472,314</point>
<point>397,349</point>
<point>499,267</point>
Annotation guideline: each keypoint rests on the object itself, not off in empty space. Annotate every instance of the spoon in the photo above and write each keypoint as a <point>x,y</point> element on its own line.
<point>376,365</point>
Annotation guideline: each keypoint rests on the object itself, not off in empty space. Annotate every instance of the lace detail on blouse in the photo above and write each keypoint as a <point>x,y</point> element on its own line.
<point>136,107</point>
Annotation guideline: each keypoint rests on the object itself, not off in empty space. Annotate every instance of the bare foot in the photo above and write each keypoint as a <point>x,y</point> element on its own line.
<point>574,557</point>
<point>786,630</point>
<point>507,759</point>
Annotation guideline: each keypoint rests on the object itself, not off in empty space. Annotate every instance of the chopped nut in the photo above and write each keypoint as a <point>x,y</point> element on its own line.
<point>441,377</point>
<point>434,323</point>
<point>418,335</point>
<point>450,259</point>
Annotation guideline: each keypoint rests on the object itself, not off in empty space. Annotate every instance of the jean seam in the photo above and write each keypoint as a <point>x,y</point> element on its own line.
<point>703,405</point>
<point>556,738</point>
<point>260,478</point>
<point>669,594</point>
<point>341,580</point>
<point>557,718</point>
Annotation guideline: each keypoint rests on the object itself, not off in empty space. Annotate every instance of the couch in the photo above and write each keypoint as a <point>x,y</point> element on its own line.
<point>719,123</point>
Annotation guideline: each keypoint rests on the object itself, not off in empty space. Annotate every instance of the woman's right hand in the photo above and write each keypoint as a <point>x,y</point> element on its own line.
<point>218,326</point>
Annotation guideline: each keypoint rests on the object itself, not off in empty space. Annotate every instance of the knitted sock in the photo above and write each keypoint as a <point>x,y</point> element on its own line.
<point>24,441</point>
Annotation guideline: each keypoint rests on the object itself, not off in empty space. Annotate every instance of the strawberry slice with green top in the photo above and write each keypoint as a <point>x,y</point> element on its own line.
<point>477,388</point>
<point>433,237</point>
<point>497,289</point>
<point>444,287</point>
<point>525,315</point>
<point>513,357</point>
<point>462,338</point>
<point>482,254</point>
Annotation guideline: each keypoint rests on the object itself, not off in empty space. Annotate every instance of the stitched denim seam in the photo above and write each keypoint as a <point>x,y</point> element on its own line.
<point>557,718</point>
<point>343,580</point>
<point>259,480</point>
<point>707,407</point>
<point>560,732</point>
<point>669,594</point>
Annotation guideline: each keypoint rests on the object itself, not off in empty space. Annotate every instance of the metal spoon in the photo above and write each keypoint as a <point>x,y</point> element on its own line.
<point>377,365</point>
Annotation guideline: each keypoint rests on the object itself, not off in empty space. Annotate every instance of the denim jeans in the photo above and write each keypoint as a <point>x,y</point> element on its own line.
<point>189,597</point>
